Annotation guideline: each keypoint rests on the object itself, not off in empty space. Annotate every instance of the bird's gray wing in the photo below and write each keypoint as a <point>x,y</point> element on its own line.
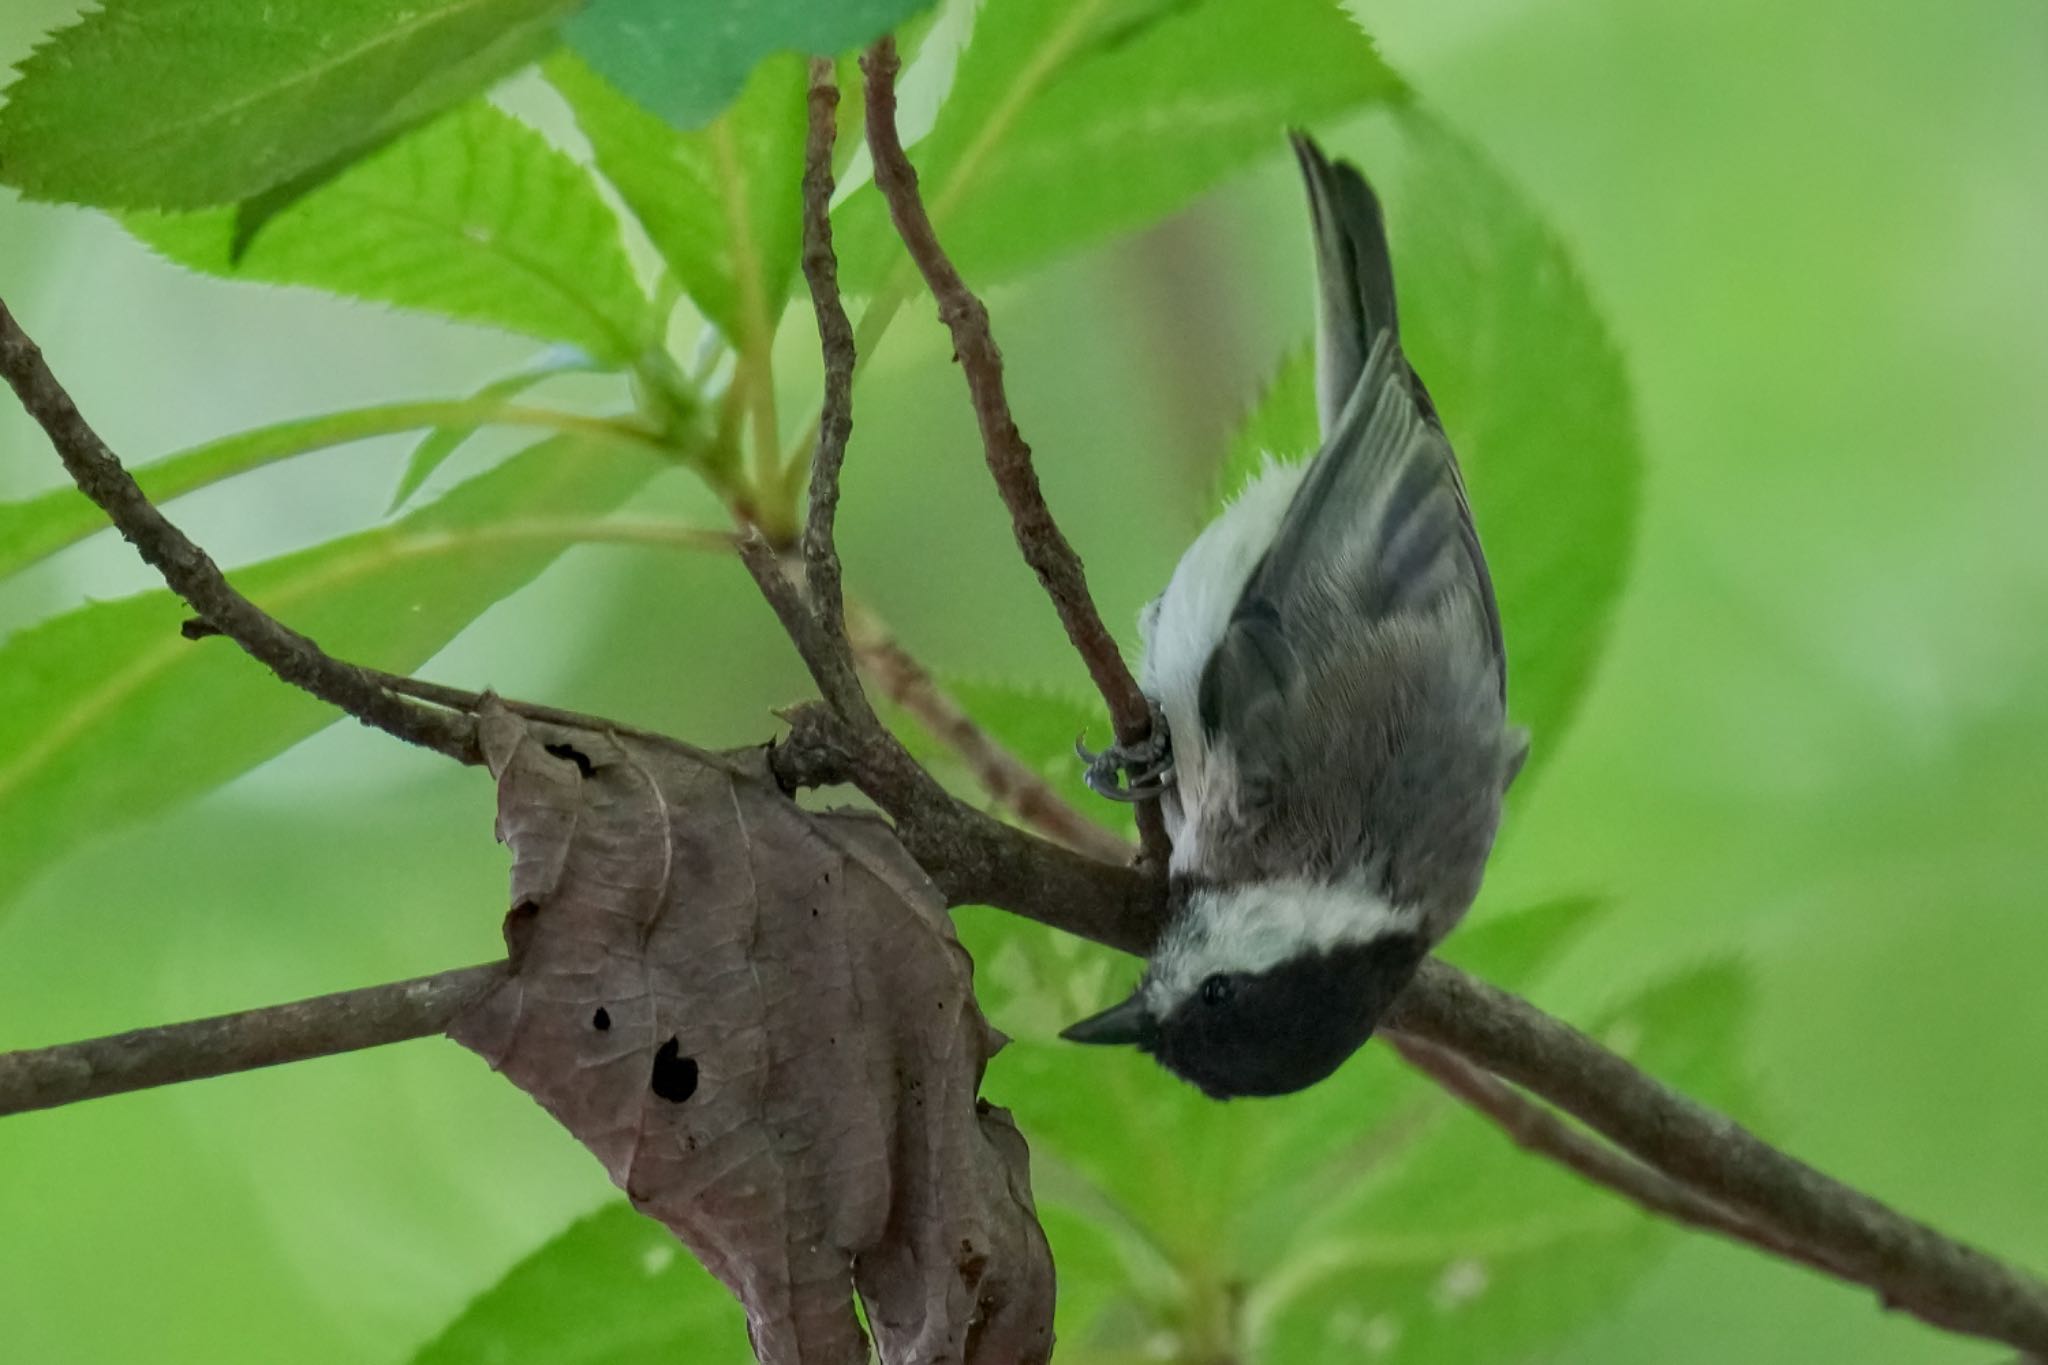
<point>1380,525</point>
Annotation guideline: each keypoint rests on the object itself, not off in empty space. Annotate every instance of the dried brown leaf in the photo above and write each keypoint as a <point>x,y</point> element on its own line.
<point>759,1020</point>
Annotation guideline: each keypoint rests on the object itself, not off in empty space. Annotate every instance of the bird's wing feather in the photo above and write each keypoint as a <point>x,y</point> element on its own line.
<point>1380,526</point>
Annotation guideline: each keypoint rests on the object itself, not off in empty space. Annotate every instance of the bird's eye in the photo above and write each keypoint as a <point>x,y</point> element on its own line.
<point>1218,989</point>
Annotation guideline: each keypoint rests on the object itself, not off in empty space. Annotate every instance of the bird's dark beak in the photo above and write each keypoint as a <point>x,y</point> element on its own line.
<point>1129,1022</point>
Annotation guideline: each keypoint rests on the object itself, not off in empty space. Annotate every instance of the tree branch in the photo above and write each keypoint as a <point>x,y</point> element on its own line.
<point>1006,779</point>
<point>1534,1128</point>
<point>1046,549</point>
<point>196,578</point>
<point>835,340</point>
<point>1911,1266</point>
<point>813,612</point>
<point>166,1055</point>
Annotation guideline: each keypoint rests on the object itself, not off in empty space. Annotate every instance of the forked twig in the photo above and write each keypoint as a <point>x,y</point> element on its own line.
<point>1045,547</point>
<point>1000,773</point>
<point>1534,1128</point>
<point>1910,1265</point>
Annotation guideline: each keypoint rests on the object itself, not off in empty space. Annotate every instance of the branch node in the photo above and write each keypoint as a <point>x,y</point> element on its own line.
<point>1045,548</point>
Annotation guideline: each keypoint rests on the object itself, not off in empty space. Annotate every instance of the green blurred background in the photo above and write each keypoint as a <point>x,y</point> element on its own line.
<point>1815,744</point>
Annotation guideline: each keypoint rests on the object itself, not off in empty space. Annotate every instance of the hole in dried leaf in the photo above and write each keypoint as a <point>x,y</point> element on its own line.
<point>602,1020</point>
<point>573,755</point>
<point>675,1076</point>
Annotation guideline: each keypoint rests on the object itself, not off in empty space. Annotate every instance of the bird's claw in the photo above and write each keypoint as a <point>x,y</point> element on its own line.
<point>1130,773</point>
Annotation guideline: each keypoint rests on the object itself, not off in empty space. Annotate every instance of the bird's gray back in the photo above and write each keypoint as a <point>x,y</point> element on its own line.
<point>1389,765</point>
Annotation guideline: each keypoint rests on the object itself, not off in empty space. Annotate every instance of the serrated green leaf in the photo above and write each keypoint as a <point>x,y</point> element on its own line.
<point>1537,404</point>
<point>108,716</point>
<point>168,104</point>
<point>1072,120</point>
<point>1473,1250</point>
<point>614,1288</point>
<point>447,438</point>
<point>37,527</point>
<point>684,60</point>
<point>1280,427</point>
<point>474,216</point>
<point>723,205</point>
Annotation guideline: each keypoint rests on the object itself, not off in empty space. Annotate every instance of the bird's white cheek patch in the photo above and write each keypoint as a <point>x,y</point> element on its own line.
<point>1254,928</point>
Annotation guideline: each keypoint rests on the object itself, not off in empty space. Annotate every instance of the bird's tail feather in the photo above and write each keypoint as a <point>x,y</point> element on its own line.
<point>1354,275</point>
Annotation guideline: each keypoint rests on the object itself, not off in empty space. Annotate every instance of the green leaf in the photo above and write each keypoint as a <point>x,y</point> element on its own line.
<point>474,217</point>
<point>723,205</point>
<point>108,716</point>
<point>685,59</point>
<point>1510,950</point>
<point>1472,1250</point>
<point>1072,120</point>
<point>1537,404</point>
<point>38,527</point>
<point>1280,428</point>
<point>433,452</point>
<point>613,1289</point>
<point>170,104</point>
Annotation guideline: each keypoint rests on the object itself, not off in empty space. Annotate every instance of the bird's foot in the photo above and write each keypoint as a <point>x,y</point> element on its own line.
<point>1131,772</point>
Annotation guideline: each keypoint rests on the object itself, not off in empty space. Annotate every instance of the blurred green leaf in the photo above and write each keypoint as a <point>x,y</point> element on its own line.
<point>152,104</point>
<point>107,715</point>
<point>473,216</point>
<point>37,527</point>
<point>1537,404</point>
<point>685,59</point>
<point>1511,949</point>
<point>1279,428</point>
<point>612,1289</point>
<point>1098,1316</point>
<point>723,205</point>
<point>447,438</point>
<point>1072,120</point>
<point>1472,1250</point>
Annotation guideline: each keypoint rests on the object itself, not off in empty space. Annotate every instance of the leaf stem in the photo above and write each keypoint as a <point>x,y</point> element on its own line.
<point>38,527</point>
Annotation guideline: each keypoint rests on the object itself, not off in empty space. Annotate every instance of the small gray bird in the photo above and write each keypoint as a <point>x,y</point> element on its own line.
<point>1328,666</point>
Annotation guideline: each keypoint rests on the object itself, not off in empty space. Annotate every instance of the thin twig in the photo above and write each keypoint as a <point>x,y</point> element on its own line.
<point>1537,1129</point>
<point>1046,549</point>
<point>1001,773</point>
<point>835,339</point>
<point>1910,1265</point>
<point>196,578</point>
<point>320,1027</point>
<point>813,612</point>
